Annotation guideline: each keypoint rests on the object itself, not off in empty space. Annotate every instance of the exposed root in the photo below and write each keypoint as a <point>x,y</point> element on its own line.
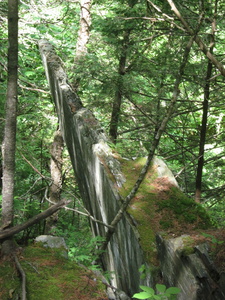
<point>23,277</point>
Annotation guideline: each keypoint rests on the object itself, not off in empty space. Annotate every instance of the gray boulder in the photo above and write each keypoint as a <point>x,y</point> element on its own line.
<point>49,241</point>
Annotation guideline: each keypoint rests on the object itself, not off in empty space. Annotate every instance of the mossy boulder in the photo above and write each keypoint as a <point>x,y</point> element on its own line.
<point>160,205</point>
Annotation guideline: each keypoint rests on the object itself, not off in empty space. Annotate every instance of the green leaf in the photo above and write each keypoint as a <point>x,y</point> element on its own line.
<point>141,295</point>
<point>161,288</point>
<point>29,73</point>
<point>141,269</point>
<point>157,297</point>
<point>172,291</point>
<point>147,289</point>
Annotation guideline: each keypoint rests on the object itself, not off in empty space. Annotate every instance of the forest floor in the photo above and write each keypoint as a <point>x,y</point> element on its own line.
<point>49,276</point>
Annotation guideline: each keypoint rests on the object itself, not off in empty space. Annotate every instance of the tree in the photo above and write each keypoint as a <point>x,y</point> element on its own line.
<point>56,176</point>
<point>84,30</point>
<point>113,127</point>
<point>205,112</point>
<point>9,144</point>
<point>127,78</point>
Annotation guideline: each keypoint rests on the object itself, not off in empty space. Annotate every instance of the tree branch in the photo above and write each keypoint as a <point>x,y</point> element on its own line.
<point>197,39</point>
<point>23,276</point>
<point>4,234</point>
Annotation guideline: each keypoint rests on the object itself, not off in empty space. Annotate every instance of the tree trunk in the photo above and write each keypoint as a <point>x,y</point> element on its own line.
<point>113,127</point>
<point>203,132</point>
<point>203,135</point>
<point>84,30</point>
<point>56,176</point>
<point>83,36</point>
<point>9,144</point>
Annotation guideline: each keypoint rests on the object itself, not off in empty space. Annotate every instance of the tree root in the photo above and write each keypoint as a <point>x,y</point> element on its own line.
<point>23,276</point>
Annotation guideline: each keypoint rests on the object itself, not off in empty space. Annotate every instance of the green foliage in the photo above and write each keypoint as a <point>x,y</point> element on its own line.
<point>83,247</point>
<point>213,239</point>
<point>162,293</point>
<point>154,52</point>
<point>144,271</point>
<point>87,254</point>
<point>10,283</point>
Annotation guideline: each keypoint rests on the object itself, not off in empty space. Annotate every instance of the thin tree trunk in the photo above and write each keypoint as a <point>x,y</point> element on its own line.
<point>203,135</point>
<point>56,176</point>
<point>83,36</point>
<point>9,144</point>
<point>113,127</point>
<point>203,132</point>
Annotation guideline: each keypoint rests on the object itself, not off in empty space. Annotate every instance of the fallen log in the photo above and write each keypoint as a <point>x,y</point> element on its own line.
<point>6,233</point>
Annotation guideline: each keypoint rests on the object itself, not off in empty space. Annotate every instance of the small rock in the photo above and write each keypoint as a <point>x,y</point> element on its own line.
<point>50,241</point>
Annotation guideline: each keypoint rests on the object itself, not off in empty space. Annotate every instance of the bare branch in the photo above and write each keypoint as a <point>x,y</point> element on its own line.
<point>35,169</point>
<point>197,39</point>
<point>6,233</point>
<point>89,216</point>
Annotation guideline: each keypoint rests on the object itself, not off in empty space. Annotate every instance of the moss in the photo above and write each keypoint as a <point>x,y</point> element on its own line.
<point>185,208</point>
<point>166,224</point>
<point>9,281</point>
<point>49,276</point>
<point>188,246</point>
<point>142,206</point>
<point>159,206</point>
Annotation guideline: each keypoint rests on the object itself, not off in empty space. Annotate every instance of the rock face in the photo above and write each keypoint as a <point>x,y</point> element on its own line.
<point>193,273</point>
<point>163,171</point>
<point>99,177</point>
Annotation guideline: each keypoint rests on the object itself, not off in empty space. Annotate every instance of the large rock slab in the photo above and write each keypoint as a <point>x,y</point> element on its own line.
<point>189,268</point>
<point>98,175</point>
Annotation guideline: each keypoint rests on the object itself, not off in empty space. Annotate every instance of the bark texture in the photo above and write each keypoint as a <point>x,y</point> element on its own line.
<point>84,30</point>
<point>56,176</point>
<point>9,144</point>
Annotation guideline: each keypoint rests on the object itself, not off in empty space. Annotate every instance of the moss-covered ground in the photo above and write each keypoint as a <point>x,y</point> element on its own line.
<point>49,276</point>
<point>160,207</point>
